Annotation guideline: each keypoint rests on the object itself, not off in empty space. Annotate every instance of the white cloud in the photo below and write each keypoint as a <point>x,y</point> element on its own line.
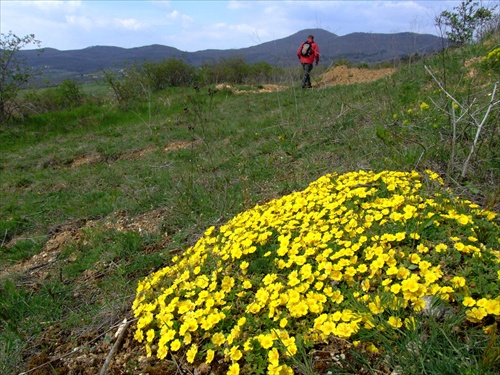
<point>80,21</point>
<point>50,6</point>
<point>185,20</point>
<point>238,5</point>
<point>129,24</point>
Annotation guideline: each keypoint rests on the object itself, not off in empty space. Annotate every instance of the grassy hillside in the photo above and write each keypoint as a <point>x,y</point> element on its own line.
<point>96,198</point>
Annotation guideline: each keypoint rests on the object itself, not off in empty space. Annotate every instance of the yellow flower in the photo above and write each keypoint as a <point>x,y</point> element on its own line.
<point>234,369</point>
<point>266,341</point>
<point>400,236</point>
<point>469,302</point>
<point>392,271</point>
<point>150,335</point>
<point>476,314</point>
<point>319,285</point>
<point>293,278</point>
<point>274,357</point>
<point>362,268</point>
<point>403,273</point>
<point>422,248</point>
<point>202,281</point>
<point>350,271</point>
<point>162,351</point>
<point>395,322</point>
<point>337,297</point>
<point>210,356</point>
<point>285,370</point>
<point>376,306</point>
<point>235,353</point>
<point>175,345</point>
<point>227,283</point>
<point>395,288</point>
<point>430,277</point>
<point>191,353</point>
<point>458,282</point>
<point>269,278</point>
<point>414,258</point>
<point>492,306</point>
<point>463,219</point>
<point>299,309</point>
<point>410,284</point>
<point>441,247</point>
<point>289,343</point>
<point>365,285</point>
<point>386,282</point>
<point>410,323</point>
<point>327,328</point>
<point>218,339</point>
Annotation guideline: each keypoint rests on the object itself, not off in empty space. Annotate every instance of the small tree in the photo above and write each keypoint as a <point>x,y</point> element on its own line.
<point>465,21</point>
<point>168,73</point>
<point>14,70</point>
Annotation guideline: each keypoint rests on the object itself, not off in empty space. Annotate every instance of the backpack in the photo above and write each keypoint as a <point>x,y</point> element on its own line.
<point>306,49</point>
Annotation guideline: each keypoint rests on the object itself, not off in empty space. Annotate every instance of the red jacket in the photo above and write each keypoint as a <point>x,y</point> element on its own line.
<point>314,55</point>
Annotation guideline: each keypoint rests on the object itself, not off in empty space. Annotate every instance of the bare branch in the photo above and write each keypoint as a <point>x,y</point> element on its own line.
<point>479,128</point>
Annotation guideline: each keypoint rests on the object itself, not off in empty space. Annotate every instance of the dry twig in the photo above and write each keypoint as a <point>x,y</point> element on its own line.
<point>119,337</point>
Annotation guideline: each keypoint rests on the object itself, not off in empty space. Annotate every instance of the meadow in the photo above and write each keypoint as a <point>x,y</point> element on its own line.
<point>352,228</point>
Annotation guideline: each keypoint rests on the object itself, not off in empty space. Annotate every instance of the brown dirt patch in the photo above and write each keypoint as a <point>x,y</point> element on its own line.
<point>261,88</point>
<point>343,75</point>
<point>85,160</point>
<point>137,154</point>
<point>41,265</point>
<point>94,158</point>
<point>178,145</point>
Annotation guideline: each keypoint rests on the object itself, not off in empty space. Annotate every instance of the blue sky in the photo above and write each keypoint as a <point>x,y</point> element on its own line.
<point>197,25</point>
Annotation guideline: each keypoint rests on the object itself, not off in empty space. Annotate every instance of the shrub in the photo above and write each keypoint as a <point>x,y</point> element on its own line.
<point>168,73</point>
<point>351,254</point>
<point>65,96</point>
<point>128,86</point>
<point>231,70</point>
<point>15,71</point>
<point>467,20</point>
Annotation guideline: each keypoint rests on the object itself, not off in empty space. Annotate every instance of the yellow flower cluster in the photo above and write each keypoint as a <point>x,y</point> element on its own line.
<point>362,250</point>
<point>492,60</point>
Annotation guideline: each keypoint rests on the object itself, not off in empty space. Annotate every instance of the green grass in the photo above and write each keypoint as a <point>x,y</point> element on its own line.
<point>237,150</point>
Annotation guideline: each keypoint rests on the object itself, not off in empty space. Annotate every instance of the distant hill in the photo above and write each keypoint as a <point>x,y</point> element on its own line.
<point>355,47</point>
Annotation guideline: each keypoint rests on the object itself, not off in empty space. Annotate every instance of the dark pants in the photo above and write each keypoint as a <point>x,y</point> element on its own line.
<point>306,81</point>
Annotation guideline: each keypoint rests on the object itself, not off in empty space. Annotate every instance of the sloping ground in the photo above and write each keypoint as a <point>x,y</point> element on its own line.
<point>89,353</point>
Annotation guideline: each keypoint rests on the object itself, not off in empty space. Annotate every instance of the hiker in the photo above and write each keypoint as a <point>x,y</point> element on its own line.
<point>307,53</point>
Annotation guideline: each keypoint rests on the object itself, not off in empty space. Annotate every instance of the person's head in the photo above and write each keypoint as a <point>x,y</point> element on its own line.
<point>310,37</point>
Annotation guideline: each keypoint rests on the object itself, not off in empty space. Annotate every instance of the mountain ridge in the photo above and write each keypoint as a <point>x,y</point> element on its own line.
<point>354,47</point>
